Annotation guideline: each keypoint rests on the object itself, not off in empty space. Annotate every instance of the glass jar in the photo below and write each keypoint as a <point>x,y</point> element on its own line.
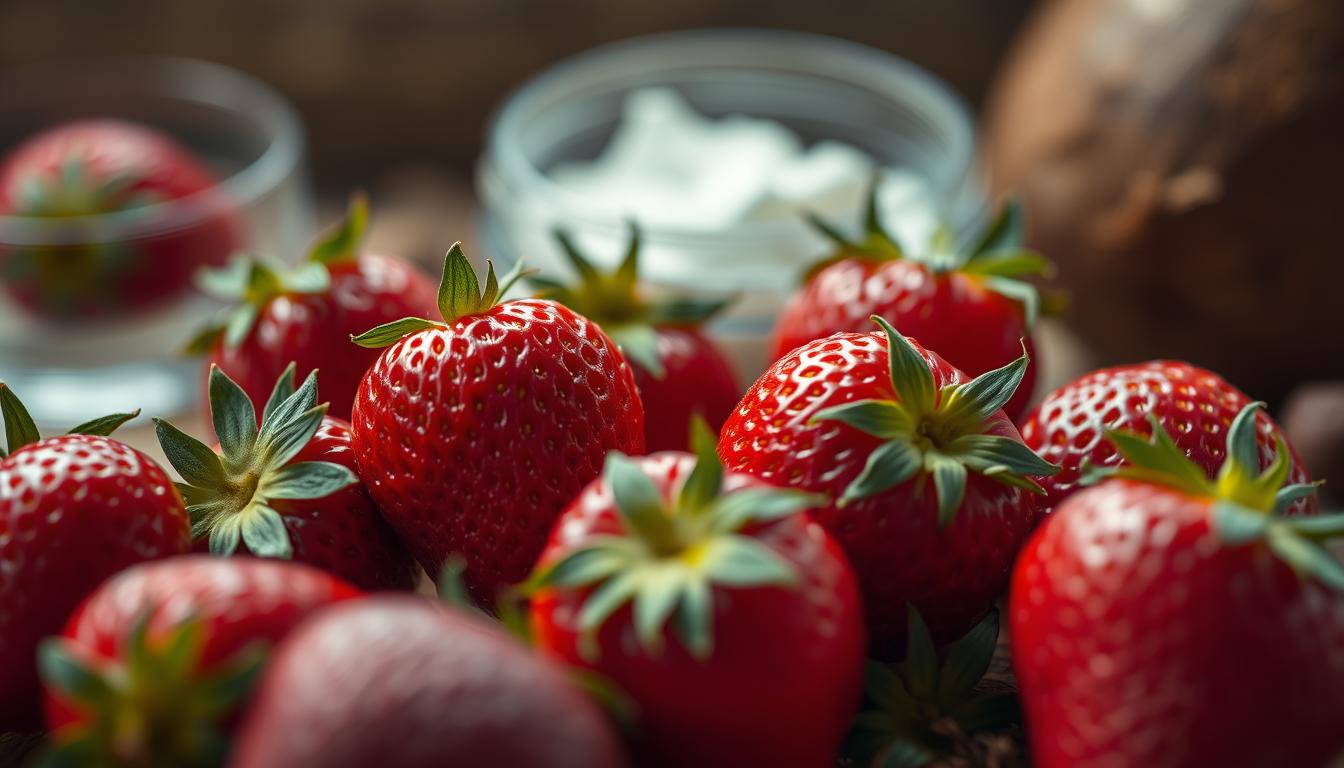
<point>820,88</point>
<point>69,362</point>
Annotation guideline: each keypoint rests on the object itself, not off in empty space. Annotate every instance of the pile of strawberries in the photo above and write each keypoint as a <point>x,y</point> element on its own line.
<point>642,566</point>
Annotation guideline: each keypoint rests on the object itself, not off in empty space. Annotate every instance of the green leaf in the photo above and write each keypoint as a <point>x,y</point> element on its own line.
<point>911,376</point>
<point>991,712</point>
<point>294,411</point>
<point>1023,293</point>
<point>658,595</point>
<point>1011,262</point>
<point>192,459</point>
<point>205,340</point>
<point>921,658</point>
<point>264,532</point>
<point>1003,233</point>
<point>731,511</point>
<point>1236,524</point>
<point>740,561</point>
<point>239,324</point>
<point>227,283</point>
<point>626,276</point>
<point>104,425</point>
<point>291,437</point>
<point>1001,458</point>
<point>67,674</point>
<point>309,278</point>
<point>889,465</point>
<point>966,661</point>
<point>512,276</point>
<point>491,293</point>
<point>390,333</point>
<point>970,404</point>
<point>885,419</point>
<point>1305,556</point>
<point>342,243</point>
<point>606,599</point>
<point>588,274</point>
<point>637,499</point>
<point>872,214</point>
<point>284,387</point>
<point>225,536</point>
<point>703,484</point>
<point>639,343</point>
<point>1317,527</point>
<point>949,480</point>
<point>694,619</point>
<point>307,480</point>
<point>601,558</point>
<point>459,292</point>
<point>1243,453</point>
<point>1166,464</point>
<point>234,418</point>
<point>685,311</point>
<point>19,427</point>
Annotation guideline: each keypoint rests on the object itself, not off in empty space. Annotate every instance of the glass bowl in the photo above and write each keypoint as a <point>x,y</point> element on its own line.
<point>70,363</point>
<point>821,88</point>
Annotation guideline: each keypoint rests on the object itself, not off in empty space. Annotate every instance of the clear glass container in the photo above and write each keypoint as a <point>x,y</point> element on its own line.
<point>821,88</point>
<point>68,364</point>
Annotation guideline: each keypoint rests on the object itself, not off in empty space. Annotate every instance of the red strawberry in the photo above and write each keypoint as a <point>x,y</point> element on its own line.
<point>1164,619</point>
<point>287,489</point>
<point>931,480</point>
<point>678,371</point>
<point>307,315</point>
<point>125,171</point>
<point>400,681</point>
<point>73,510</point>
<point>729,618</point>
<point>472,434</point>
<point>153,668</point>
<point>1194,405</point>
<point>967,303</point>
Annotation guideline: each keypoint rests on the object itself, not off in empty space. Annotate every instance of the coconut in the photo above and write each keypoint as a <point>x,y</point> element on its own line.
<point>1182,161</point>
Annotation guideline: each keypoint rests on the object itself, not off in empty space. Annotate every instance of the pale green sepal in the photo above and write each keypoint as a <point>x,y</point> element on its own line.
<point>639,342</point>
<point>225,537</point>
<point>921,658</point>
<point>342,244</point>
<point>641,507</point>
<point>234,418</point>
<point>459,291</point>
<point>284,387</point>
<point>1237,525</point>
<point>889,465</point>
<point>732,511</point>
<point>967,660</point>
<point>390,333</point>
<point>1305,556</point>
<point>658,595</point>
<point>104,425</point>
<point>307,480</point>
<point>740,561</point>
<point>949,481</point>
<point>1317,527</point>
<point>264,533</point>
<point>193,460</point>
<point>20,430</point>
<point>694,619</point>
<point>703,484</point>
<point>911,376</point>
<point>883,419</point>
<point>975,401</point>
<point>1023,293</point>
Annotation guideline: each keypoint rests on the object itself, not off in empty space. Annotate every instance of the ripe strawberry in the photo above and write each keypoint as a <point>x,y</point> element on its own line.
<point>1165,619</point>
<point>287,489</point>
<point>677,369</point>
<point>94,168</point>
<point>307,315</point>
<point>1195,406</point>
<point>400,681</point>
<point>73,510</point>
<point>729,618</point>
<point>931,480</point>
<point>154,666</point>
<point>472,434</point>
<point>965,302</point>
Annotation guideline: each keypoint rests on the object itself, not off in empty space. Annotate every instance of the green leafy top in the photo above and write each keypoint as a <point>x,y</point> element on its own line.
<point>157,706</point>
<point>228,494</point>
<point>20,430</point>
<point>672,553</point>
<point>995,256</point>
<point>940,432</point>
<point>913,704</point>
<point>613,301</point>
<point>1249,505</point>
<point>74,191</point>
<point>460,295</point>
<point>250,283</point>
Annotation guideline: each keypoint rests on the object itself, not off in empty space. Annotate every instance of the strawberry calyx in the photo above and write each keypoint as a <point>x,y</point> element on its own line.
<point>228,493</point>
<point>921,710</point>
<point>613,300</point>
<point>1248,505</point>
<point>460,295</point>
<point>994,257</point>
<point>21,430</point>
<point>673,552</point>
<point>74,191</point>
<point>938,432</point>
<point>156,705</point>
<point>249,283</point>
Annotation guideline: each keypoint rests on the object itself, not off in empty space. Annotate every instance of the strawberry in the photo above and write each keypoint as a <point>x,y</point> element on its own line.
<point>114,173</point>
<point>307,315</point>
<point>400,681</point>
<point>1193,405</point>
<point>967,302</point>
<point>287,489</point>
<point>676,367</point>
<point>932,484</point>
<point>729,618</point>
<point>473,433</point>
<point>73,510</point>
<point>1161,618</point>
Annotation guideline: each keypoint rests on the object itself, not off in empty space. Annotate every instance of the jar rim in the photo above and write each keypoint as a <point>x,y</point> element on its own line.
<point>728,48</point>
<point>169,79</point>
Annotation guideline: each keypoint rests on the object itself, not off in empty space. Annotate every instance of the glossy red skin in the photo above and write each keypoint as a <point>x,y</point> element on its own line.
<point>472,438</point>
<point>314,330</point>
<point>342,532</point>
<point>152,269</point>
<point>786,670</point>
<point>239,601</point>
<point>953,314</point>
<point>892,538</point>
<point>697,379</point>
<point>401,681</point>
<point>1195,406</point>
<point>1139,639</point>
<point>73,511</point>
